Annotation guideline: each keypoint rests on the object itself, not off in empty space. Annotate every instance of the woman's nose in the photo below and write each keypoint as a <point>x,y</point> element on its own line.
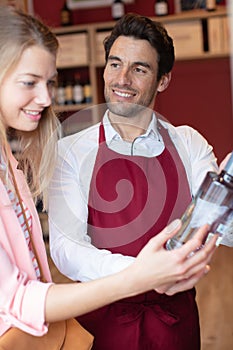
<point>44,96</point>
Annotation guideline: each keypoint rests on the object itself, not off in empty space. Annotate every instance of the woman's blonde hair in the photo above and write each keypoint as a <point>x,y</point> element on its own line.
<point>18,31</point>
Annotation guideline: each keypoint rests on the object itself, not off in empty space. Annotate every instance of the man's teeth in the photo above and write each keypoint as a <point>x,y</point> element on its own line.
<point>122,94</point>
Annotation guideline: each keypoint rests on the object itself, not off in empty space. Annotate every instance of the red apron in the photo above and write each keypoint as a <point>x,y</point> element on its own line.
<point>131,199</point>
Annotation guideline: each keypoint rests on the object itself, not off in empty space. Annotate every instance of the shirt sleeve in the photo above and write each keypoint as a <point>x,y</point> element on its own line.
<point>70,245</point>
<point>21,300</point>
<point>197,156</point>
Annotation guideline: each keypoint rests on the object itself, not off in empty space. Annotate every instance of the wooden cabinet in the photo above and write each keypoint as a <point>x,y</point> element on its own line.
<point>199,36</point>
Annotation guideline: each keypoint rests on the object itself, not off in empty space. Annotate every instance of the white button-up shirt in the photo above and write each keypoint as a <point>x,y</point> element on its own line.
<point>71,247</point>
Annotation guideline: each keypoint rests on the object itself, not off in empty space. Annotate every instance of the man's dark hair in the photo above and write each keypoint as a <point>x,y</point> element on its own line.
<point>140,27</point>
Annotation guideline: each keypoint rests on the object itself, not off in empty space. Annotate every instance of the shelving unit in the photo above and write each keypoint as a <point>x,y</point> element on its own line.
<point>197,34</point>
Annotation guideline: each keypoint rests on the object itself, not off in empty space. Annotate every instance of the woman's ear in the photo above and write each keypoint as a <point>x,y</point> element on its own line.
<point>164,82</point>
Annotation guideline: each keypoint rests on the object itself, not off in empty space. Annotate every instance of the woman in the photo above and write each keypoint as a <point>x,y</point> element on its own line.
<point>27,77</point>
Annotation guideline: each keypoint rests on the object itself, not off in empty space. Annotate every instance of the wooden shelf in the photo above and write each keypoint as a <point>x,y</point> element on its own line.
<point>71,108</point>
<point>190,31</point>
<point>183,16</point>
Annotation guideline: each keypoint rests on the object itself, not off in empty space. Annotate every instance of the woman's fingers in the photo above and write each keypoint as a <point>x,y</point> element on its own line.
<point>198,259</point>
<point>186,284</point>
<point>195,242</point>
<point>189,247</point>
<point>168,232</point>
<point>178,269</point>
<point>192,269</point>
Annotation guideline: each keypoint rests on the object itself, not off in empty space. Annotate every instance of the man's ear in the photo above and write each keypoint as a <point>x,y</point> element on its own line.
<point>164,82</point>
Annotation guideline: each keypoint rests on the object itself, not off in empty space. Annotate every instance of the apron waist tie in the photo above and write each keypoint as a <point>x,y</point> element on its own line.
<point>127,313</point>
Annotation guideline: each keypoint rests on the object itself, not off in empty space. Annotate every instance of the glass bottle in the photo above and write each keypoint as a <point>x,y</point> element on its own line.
<point>161,8</point>
<point>60,93</point>
<point>87,92</point>
<point>213,205</point>
<point>69,93</point>
<point>118,9</point>
<point>78,94</point>
<point>210,5</point>
<point>65,15</point>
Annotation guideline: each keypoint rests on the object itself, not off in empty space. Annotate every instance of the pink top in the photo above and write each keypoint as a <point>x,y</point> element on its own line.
<point>22,295</point>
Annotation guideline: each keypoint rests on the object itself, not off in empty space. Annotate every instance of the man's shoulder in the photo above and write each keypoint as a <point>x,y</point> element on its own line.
<point>181,130</point>
<point>81,136</point>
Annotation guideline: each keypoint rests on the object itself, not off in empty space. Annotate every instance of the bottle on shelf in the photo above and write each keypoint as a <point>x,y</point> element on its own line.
<point>69,93</point>
<point>161,8</point>
<point>87,92</point>
<point>118,9</point>
<point>60,98</point>
<point>65,15</point>
<point>213,205</point>
<point>177,6</point>
<point>210,5</point>
<point>78,95</point>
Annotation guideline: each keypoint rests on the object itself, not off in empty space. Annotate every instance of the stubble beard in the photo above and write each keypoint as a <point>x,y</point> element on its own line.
<point>127,109</point>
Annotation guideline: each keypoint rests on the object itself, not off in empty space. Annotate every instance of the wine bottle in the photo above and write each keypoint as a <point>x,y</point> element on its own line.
<point>213,205</point>
<point>69,93</point>
<point>210,5</point>
<point>161,8</point>
<point>87,92</point>
<point>118,9</point>
<point>60,93</point>
<point>78,95</point>
<point>65,15</point>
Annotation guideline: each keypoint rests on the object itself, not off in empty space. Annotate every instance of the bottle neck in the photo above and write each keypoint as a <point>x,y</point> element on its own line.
<point>226,178</point>
<point>226,175</point>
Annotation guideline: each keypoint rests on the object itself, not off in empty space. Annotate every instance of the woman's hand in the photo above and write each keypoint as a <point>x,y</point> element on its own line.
<point>155,268</point>
<point>177,270</point>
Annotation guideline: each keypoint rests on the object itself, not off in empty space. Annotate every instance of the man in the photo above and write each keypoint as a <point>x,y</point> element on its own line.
<point>118,183</point>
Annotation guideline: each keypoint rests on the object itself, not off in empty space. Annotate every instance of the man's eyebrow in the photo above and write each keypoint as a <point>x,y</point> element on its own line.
<point>144,64</point>
<point>136,63</point>
<point>116,58</point>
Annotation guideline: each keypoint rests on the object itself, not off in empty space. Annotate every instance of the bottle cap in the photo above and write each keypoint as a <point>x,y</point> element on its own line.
<point>229,166</point>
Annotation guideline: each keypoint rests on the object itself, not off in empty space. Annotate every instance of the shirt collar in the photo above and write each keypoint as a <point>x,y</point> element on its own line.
<point>111,134</point>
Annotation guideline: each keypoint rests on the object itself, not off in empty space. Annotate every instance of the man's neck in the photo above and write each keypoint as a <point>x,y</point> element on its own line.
<point>130,128</point>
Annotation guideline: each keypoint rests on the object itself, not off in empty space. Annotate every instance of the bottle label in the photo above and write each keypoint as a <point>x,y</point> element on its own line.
<point>213,206</point>
<point>65,17</point>
<point>117,10</point>
<point>225,229</point>
<point>87,91</point>
<point>206,213</point>
<point>78,93</point>
<point>211,5</point>
<point>60,96</point>
<point>69,94</point>
<point>161,8</point>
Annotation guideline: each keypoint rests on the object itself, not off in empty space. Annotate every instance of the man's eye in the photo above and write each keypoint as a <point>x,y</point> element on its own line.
<point>140,70</point>
<point>114,65</point>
